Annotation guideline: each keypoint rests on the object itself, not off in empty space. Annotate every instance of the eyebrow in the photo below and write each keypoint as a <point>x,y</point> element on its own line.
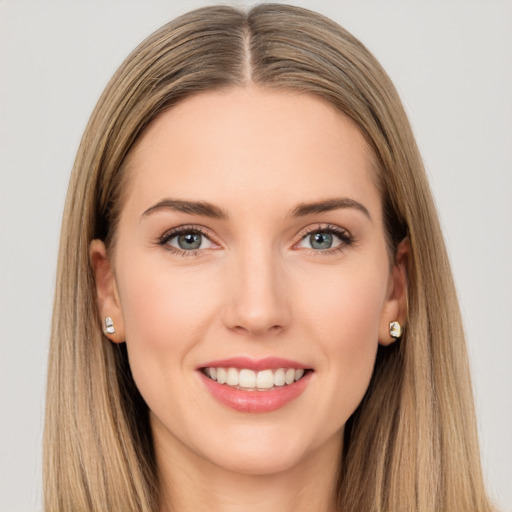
<point>206,209</point>
<point>328,205</point>
<point>193,207</point>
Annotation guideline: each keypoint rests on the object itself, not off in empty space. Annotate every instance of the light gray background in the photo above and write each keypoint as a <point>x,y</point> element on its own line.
<point>452,64</point>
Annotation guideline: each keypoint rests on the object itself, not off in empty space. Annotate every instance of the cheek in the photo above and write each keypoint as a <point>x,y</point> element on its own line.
<point>159,302</point>
<point>165,312</point>
<point>343,321</point>
<point>345,306</point>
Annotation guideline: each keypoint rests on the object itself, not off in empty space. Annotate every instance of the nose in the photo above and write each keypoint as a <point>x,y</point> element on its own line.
<point>258,302</point>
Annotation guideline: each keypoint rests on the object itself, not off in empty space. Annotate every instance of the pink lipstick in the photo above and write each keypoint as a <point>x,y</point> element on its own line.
<point>250,385</point>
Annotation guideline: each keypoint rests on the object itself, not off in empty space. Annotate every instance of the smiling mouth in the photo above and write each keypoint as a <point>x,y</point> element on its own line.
<point>250,380</point>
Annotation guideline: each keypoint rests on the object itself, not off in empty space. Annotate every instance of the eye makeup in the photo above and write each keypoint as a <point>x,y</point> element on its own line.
<point>321,239</point>
<point>193,236</point>
<point>190,240</point>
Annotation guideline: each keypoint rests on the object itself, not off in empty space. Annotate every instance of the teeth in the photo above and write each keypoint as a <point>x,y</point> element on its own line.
<point>249,379</point>
<point>290,376</point>
<point>232,377</point>
<point>222,375</point>
<point>280,377</point>
<point>265,379</point>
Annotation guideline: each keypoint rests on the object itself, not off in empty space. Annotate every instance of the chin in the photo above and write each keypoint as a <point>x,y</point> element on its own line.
<point>269,451</point>
<point>258,464</point>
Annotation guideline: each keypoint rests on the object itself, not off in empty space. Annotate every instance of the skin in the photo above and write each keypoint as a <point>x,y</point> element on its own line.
<point>256,288</point>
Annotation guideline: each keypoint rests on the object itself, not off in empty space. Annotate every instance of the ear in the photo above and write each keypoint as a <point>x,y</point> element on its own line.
<point>395,307</point>
<point>107,295</point>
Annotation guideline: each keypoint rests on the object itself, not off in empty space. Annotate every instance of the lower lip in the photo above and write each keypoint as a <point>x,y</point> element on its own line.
<point>256,401</point>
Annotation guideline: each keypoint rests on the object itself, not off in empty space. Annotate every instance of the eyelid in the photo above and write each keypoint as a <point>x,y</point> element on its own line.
<point>343,234</point>
<point>186,228</point>
<point>313,228</point>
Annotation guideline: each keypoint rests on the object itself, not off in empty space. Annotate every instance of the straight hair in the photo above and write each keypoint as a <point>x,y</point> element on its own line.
<point>412,442</point>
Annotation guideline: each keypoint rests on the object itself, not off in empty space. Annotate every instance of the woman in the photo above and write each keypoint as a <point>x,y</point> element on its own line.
<point>254,305</point>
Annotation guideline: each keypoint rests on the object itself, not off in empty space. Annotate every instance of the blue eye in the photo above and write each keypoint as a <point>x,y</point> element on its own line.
<point>325,239</point>
<point>187,240</point>
<point>321,241</point>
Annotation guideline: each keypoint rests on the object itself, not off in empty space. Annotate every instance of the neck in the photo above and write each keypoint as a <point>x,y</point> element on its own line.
<point>190,483</point>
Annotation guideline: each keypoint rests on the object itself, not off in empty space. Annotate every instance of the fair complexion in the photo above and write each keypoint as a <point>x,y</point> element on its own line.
<point>251,228</point>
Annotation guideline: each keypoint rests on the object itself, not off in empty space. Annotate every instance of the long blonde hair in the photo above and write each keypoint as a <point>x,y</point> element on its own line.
<point>412,443</point>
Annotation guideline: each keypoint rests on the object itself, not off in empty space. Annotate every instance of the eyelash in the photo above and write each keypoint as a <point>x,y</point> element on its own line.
<point>168,235</point>
<point>346,239</point>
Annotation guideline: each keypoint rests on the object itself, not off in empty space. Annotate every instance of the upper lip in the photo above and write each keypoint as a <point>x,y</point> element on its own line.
<point>267,363</point>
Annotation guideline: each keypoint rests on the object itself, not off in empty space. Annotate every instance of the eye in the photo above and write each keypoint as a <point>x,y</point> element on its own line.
<point>186,240</point>
<point>320,240</point>
<point>324,239</point>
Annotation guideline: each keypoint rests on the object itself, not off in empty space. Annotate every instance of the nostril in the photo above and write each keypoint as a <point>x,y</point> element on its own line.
<point>255,329</point>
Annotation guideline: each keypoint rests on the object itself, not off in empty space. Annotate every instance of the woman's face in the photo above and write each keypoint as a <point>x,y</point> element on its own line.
<point>251,248</point>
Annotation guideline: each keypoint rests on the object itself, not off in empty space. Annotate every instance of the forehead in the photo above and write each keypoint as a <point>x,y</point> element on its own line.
<point>250,144</point>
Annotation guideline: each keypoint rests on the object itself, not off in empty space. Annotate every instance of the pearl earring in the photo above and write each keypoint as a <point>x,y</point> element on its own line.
<point>395,330</point>
<point>109,326</point>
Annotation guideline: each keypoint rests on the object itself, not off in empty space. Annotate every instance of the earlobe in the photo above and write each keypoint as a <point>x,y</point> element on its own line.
<point>394,313</point>
<point>109,307</point>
